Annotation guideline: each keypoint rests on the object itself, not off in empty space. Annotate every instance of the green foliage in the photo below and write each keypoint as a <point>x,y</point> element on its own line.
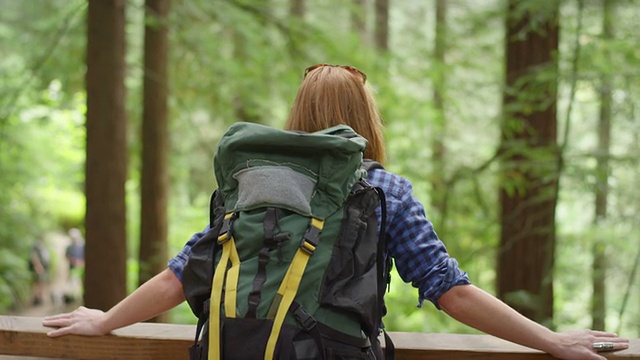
<point>41,162</point>
<point>13,284</point>
<point>41,135</point>
<point>238,60</point>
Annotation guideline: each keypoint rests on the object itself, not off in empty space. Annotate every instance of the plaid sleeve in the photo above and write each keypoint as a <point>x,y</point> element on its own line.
<point>420,256</point>
<point>177,263</point>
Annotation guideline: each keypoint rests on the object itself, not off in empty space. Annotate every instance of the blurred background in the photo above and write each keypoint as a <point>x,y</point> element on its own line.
<point>516,121</point>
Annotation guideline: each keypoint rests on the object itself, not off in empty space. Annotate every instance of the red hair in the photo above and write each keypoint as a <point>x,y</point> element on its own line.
<point>334,95</point>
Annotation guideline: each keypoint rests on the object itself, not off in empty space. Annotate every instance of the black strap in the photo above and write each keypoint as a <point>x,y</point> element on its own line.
<point>368,164</point>
<point>202,319</point>
<point>269,224</point>
<point>309,323</point>
<point>389,348</point>
<point>339,336</point>
<point>258,282</point>
<point>384,266</point>
<point>271,241</point>
<point>215,203</point>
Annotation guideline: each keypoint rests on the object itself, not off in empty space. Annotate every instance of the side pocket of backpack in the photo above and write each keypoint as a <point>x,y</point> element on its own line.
<point>198,271</point>
<point>350,282</point>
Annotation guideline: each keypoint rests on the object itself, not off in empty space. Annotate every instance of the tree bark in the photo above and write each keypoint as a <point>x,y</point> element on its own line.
<point>297,8</point>
<point>438,148</point>
<point>382,26</point>
<point>530,161</point>
<point>598,303</point>
<point>106,166</point>
<point>359,19</point>
<point>244,102</point>
<point>154,185</point>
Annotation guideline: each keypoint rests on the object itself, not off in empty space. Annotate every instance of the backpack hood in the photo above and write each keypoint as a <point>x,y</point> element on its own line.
<point>318,163</point>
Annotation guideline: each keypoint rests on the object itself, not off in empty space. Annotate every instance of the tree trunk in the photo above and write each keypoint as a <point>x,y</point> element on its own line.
<point>598,304</point>
<point>359,19</point>
<point>529,180</point>
<point>297,8</point>
<point>245,106</point>
<point>106,167</point>
<point>382,26</point>
<point>438,149</point>
<point>155,146</point>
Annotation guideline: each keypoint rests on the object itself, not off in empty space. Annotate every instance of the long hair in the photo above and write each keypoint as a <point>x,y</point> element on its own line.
<point>334,95</point>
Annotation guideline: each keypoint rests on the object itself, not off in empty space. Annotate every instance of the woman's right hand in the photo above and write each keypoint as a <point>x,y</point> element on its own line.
<point>161,293</point>
<point>81,321</point>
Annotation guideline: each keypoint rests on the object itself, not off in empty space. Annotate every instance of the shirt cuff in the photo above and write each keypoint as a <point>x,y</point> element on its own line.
<point>453,277</point>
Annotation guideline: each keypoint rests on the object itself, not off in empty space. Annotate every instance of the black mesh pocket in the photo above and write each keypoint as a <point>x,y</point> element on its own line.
<point>350,282</point>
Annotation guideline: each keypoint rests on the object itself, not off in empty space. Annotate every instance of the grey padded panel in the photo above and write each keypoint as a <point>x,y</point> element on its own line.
<point>274,186</point>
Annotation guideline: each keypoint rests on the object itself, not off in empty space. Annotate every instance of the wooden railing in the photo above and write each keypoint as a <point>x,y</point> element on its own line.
<point>25,336</point>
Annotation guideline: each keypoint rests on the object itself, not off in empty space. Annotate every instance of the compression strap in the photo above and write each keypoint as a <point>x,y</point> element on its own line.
<point>229,254</point>
<point>289,286</point>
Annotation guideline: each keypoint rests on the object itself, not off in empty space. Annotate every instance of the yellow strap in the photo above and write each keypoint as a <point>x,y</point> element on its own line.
<point>231,285</point>
<point>214,306</point>
<point>317,223</point>
<point>217,285</point>
<point>289,288</point>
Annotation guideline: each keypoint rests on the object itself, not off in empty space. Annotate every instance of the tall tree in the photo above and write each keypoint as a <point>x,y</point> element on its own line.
<point>530,159</point>
<point>155,144</point>
<point>245,103</point>
<point>106,166</point>
<point>381,32</point>
<point>359,19</point>
<point>297,8</point>
<point>438,132</point>
<point>598,304</point>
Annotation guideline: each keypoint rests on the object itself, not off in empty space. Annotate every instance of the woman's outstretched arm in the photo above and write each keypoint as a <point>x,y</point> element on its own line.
<point>478,309</point>
<point>161,293</point>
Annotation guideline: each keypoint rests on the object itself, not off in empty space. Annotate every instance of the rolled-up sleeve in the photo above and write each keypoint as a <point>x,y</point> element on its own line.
<point>178,262</point>
<point>421,258</point>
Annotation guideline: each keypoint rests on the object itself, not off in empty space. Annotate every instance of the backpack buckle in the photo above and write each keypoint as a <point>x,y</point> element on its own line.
<point>312,236</point>
<point>225,229</point>
<point>308,246</point>
<point>304,318</point>
<point>223,238</point>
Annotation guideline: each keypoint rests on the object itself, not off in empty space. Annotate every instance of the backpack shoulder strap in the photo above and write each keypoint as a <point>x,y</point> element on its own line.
<point>368,164</point>
<point>384,260</point>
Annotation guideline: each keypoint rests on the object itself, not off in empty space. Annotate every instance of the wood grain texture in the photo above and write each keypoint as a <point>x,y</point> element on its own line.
<point>25,336</point>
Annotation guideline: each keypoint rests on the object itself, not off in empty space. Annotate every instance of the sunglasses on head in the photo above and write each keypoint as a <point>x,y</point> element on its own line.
<point>350,69</point>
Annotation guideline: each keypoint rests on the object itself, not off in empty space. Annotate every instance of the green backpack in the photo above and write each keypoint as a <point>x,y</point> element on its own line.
<point>292,266</point>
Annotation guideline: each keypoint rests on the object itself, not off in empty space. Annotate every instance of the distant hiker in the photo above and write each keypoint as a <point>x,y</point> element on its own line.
<point>39,265</point>
<point>74,254</point>
<point>75,250</point>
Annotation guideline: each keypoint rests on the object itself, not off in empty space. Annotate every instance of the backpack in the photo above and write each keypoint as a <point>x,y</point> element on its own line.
<point>292,266</point>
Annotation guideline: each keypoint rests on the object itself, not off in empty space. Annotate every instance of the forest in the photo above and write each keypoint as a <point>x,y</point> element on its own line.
<point>515,120</point>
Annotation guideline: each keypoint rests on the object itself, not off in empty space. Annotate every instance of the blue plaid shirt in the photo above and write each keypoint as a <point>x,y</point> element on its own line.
<point>420,257</point>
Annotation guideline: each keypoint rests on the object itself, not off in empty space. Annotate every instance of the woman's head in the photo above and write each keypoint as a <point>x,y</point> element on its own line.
<point>338,95</point>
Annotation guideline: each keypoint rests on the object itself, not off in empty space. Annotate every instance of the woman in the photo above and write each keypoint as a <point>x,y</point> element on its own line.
<point>331,95</point>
